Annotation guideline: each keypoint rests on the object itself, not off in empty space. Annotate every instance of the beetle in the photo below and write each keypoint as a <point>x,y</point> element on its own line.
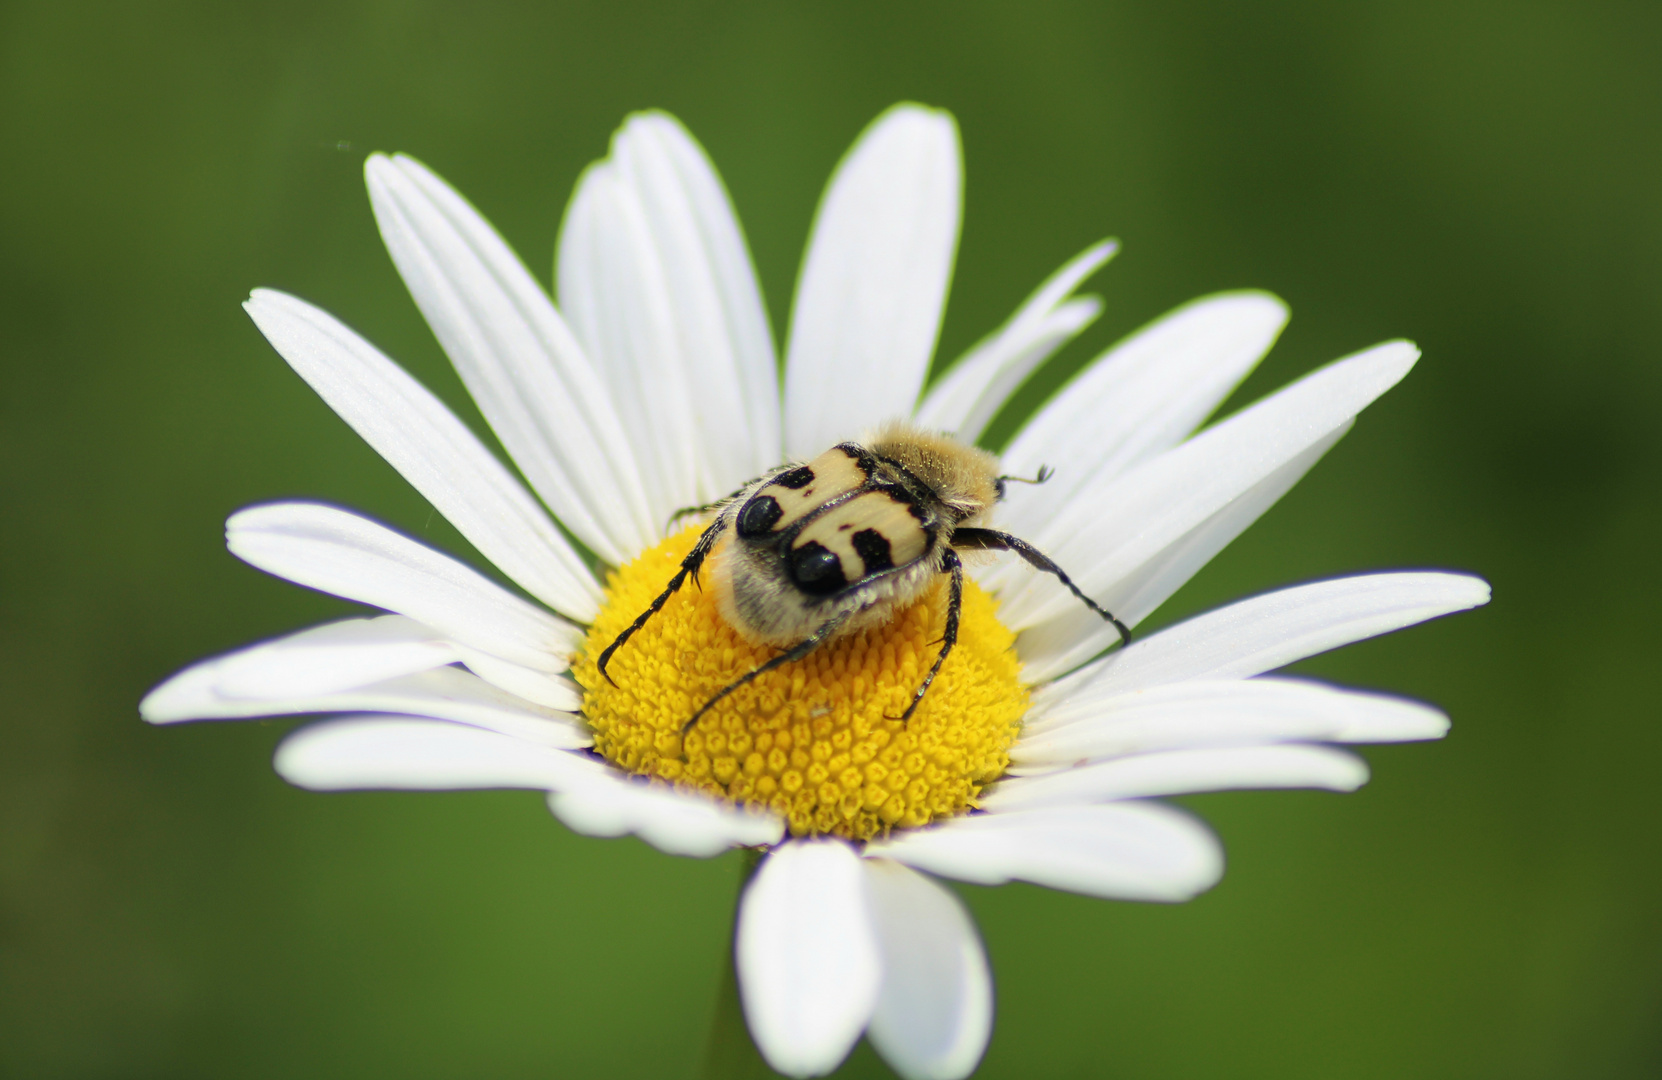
<point>809,552</point>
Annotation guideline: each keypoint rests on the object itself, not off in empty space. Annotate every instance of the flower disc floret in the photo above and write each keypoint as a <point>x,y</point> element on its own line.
<point>818,740</point>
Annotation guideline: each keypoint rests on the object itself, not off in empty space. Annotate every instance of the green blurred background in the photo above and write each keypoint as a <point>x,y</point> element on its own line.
<point>1485,178</point>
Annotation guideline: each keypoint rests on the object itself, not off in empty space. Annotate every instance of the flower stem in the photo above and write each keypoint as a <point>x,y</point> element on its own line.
<point>730,1054</point>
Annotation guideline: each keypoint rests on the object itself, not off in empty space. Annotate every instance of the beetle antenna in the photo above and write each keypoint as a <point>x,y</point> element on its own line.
<point>1045,473</point>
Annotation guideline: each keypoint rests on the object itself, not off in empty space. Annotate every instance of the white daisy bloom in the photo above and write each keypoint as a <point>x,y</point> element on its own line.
<point>652,386</point>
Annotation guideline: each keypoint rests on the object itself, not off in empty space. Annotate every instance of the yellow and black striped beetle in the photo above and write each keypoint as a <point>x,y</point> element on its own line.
<point>827,548</point>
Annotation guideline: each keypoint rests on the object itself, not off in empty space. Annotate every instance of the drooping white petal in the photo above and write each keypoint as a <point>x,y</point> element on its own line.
<point>972,391</point>
<point>874,281</point>
<point>935,1010</point>
<point>1208,712</point>
<point>319,660</point>
<point>356,753</point>
<point>1068,639</point>
<point>432,449</point>
<point>519,360</point>
<point>399,753</point>
<point>1267,632</point>
<point>809,962</point>
<point>673,821</point>
<point>1141,397</point>
<point>556,690</point>
<point>1111,531</point>
<point>445,693</point>
<point>1121,851</point>
<point>654,276</point>
<point>1183,772</point>
<point>351,556</point>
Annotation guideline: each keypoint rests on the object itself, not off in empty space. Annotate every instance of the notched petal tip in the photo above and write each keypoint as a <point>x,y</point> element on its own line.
<point>1474,591</point>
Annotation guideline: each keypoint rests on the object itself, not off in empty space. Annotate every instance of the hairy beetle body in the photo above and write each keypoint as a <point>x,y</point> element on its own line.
<point>811,551</point>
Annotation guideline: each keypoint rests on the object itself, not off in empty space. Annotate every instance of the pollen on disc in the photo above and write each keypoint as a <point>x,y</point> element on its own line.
<point>817,740</point>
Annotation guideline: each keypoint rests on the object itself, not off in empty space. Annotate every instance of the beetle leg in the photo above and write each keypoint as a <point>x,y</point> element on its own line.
<point>688,511</point>
<point>949,638</point>
<point>827,630</point>
<point>993,540</point>
<point>689,566</point>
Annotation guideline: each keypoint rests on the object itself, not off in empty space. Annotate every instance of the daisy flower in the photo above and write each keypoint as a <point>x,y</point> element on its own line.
<point>650,384</point>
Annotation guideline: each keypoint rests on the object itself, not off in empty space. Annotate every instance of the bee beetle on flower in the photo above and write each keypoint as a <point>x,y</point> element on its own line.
<point>810,552</point>
<point>842,694</point>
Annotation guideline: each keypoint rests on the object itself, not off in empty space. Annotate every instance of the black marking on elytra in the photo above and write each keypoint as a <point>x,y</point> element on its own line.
<point>798,478</point>
<point>864,460</point>
<point>904,492</point>
<point>787,536</point>
<point>759,516</point>
<point>816,570</point>
<point>874,550</point>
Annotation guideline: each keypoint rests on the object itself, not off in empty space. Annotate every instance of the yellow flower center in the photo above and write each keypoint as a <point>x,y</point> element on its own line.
<point>817,740</point>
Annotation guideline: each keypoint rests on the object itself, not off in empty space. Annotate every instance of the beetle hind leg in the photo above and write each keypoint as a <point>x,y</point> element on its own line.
<point>949,637</point>
<point>827,630</point>
<point>992,540</point>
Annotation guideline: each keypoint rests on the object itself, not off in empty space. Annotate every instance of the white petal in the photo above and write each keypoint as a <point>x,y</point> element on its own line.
<point>874,281</point>
<point>445,693</point>
<point>433,450</point>
<point>614,289</point>
<point>935,1011</point>
<point>1205,712</point>
<point>1138,594</point>
<point>1267,632</point>
<point>1122,851</point>
<point>974,389</point>
<point>1112,531</point>
<point>655,278</point>
<point>554,690</point>
<point>1183,772</point>
<point>673,821</point>
<point>408,753</point>
<point>1065,641</point>
<point>518,358</point>
<point>808,957</point>
<point>341,553</point>
<point>1141,397</point>
<point>320,660</point>
<point>355,753</point>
